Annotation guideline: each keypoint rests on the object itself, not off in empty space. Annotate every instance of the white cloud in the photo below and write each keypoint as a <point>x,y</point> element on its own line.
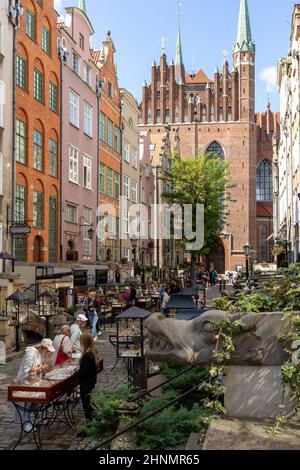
<point>268,75</point>
<point>58,5</point>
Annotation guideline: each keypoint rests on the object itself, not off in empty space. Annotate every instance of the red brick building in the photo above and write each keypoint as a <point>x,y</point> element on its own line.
<point>37,149</point>
<point>110,153</point>
<point>215,115</point>
<point>268,126</point>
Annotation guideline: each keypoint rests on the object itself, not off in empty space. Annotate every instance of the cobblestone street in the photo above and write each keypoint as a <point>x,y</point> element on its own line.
<point>60,437</point>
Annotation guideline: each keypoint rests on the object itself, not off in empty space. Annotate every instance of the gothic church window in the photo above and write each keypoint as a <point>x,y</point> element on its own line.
<point>264,182</point>
<point>216,150</point>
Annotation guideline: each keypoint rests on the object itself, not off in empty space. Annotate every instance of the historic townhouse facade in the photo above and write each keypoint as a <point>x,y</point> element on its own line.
<point>37,134</point>
<point>147,196</point>
<point>287,154</point>
<point>110,156</point>
<point>80,165</point>
<point>214,115</point>
<point>130,173</point>
<point>268,132</point>
<point>6,126</point>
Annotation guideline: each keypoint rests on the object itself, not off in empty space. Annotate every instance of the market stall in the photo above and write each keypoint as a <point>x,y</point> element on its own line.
<point>42,400</point>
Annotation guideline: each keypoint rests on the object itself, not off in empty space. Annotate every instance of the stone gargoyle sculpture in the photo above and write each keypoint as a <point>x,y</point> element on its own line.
<point>194,341</point>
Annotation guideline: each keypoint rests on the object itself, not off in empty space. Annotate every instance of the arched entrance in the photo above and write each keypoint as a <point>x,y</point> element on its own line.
<point>217,259</point>
<point>37,249</point>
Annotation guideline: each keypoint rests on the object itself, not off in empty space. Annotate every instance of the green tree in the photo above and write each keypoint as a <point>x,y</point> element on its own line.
<point>204,180</point>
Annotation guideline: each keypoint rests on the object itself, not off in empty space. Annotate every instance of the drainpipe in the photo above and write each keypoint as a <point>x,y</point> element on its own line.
<point>63,55</point>
<point>99,94</point>
<point>121,177</point>
<point>61,160</point>
<point>14,115</point>
<point>14,14</point>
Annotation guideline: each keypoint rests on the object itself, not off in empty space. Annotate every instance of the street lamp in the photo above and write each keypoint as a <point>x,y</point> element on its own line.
<point>134,243</point>
<point>247,249</point>
<point>46,304</point>
<point>17,305</point>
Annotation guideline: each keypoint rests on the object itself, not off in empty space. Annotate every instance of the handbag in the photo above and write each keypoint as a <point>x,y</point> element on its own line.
<point>61,357</point>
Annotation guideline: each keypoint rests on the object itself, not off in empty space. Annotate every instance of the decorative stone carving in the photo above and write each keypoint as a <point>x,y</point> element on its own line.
<point>194,341</point>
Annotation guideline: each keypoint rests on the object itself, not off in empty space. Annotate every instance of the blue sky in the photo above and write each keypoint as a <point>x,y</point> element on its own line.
<point>208,28</point>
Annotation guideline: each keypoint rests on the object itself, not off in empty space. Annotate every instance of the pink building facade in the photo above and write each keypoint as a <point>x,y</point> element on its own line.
<point>80,158</point>
<point>147,188</point>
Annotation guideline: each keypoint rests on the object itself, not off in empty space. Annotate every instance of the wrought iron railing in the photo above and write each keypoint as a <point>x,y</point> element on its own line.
<point>172,402</point>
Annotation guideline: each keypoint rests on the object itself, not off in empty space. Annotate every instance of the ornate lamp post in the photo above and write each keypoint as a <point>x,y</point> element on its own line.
<point>134,243</point>
<point>46,304</point>
<point>17,306</point>
<point>247,250</point>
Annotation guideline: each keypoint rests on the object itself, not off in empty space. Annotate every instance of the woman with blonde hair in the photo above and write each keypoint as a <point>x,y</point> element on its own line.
<point>87,373</point>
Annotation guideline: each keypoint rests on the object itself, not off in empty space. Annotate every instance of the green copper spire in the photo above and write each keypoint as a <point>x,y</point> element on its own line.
<point>82,5</point>
<point>244,38</point>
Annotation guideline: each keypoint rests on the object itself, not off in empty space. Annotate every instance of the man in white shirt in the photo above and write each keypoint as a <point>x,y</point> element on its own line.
<point>63,340</point>
<point>76,331</point>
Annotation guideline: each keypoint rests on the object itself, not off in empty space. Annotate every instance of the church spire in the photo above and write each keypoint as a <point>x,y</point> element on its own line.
<point>82,5</point>
<point>244,40</point>
<point>179,67</point>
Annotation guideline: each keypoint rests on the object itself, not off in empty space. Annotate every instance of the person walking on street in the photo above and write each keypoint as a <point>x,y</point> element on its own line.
<point>166,298</point>
<point>76,332</point>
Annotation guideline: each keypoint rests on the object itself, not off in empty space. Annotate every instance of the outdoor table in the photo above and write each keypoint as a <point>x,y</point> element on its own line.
<point>144,303</point>
<point>155,301</point>
<point>47,400</point>
<point>105,313</point>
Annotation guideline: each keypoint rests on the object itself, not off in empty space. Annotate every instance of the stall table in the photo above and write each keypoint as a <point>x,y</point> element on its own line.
<point>44,401</point>
<point>144,304</point>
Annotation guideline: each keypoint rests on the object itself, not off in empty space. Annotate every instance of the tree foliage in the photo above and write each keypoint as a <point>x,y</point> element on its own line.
<point>201,180</point>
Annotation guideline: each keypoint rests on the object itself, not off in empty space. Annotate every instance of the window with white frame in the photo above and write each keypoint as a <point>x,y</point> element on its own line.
<point>110,133</point>
<point>87,172</point>
<point>1,239</point>
<point>87,242</point>
<point>109,182</point>
<point>74,108</point>
<point>88,119</point>
<point>76,63</point>
<point>87,74</point>
<point>126,253</point>
<point>127,151</point>
<point>126,221</point>
<point>72,213</point>
<point>126,187</point>
<point>134,157</point>
<point>73,164</point>
<point>1,104</point>
<point>134,191</point>
<point>1,40</point>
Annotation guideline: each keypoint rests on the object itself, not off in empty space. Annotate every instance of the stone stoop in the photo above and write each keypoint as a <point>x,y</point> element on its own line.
<point>235,434</point>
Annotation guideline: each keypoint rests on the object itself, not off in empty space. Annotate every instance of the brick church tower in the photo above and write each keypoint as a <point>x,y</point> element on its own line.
<point>215,115</point>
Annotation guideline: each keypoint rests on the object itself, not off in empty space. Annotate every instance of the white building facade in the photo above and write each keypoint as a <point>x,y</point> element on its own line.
<point>287,155</point>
